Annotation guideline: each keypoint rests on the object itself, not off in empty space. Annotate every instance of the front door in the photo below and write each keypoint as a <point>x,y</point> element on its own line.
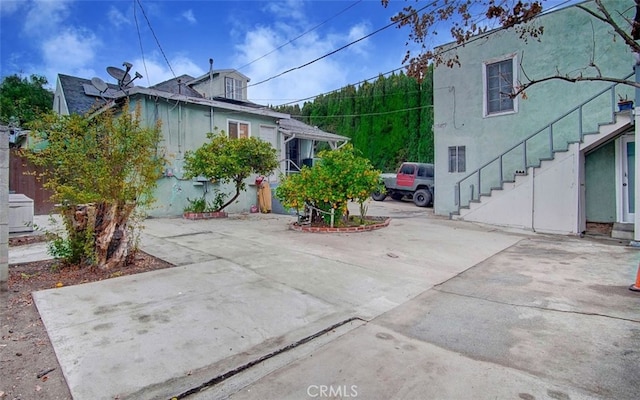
<point>628,178</point>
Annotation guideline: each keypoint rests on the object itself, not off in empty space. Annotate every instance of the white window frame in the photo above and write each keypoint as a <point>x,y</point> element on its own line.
<point>485,107</point>
<point>237,123</point>
<point>456,167</point>
<point>233,91</point>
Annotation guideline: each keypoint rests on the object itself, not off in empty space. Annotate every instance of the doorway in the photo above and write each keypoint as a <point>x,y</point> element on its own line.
<point>627,151</point>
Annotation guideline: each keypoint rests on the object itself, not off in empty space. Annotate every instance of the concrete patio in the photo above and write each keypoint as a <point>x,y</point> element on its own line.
<point>425,308</point>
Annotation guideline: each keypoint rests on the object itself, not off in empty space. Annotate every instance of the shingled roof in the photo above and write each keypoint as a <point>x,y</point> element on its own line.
<point>77,100</point>
<point>178,85</point>
<point>294,128</point>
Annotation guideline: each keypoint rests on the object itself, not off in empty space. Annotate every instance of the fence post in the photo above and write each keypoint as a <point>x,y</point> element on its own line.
<point>4,208</point>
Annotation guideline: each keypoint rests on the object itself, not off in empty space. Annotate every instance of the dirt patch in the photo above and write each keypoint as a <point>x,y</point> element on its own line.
<point>29,368</point>
<point>600,229</point>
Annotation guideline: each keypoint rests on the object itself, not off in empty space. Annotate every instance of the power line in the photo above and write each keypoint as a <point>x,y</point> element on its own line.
<point>156,38</point>
<point>144,63</point>
<point>435,2</point>
<point>301,35</point>
<point>455,47</point>
<point>340,48</point>
<point>349,84</point>
<point>362,115</point>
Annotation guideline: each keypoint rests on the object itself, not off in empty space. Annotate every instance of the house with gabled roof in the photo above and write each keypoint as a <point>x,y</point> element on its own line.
<point>560,159</point>
<point>188,108</point>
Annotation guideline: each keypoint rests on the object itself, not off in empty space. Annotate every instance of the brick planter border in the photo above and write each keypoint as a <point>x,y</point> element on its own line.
<point>384,222</point>
<point>208,215</point>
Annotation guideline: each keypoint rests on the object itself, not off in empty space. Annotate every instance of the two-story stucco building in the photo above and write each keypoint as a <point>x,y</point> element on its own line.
<point>551,161</point>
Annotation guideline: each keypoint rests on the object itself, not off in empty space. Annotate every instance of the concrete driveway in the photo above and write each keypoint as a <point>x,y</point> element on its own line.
<point>425,308</point>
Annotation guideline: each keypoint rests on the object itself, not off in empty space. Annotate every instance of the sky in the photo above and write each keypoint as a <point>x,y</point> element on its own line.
<point>260,39</point>
<point>163,38</point>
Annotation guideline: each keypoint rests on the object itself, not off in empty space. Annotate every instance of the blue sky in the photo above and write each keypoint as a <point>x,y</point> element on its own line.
<point>83,37</point>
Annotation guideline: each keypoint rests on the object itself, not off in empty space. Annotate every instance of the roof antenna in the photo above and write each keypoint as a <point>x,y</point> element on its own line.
<point>211,79</point>
<point>122,76</point>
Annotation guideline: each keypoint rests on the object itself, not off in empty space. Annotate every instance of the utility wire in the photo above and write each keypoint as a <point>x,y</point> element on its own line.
<point>452,48</point>
<point>362,115</point>
<point>144,63</point>
<point>340,48</point>
<point>156,38</point>
<point>301,35</point>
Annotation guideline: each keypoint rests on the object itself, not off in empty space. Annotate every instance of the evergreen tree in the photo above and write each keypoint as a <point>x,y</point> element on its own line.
<point>389,120</point>
<point>23,99</point>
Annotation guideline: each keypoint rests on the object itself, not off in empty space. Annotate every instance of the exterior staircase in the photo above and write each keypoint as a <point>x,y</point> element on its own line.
<point>537,183</point>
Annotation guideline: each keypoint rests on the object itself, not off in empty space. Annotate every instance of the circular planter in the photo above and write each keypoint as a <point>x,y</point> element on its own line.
<point>206,215</point>
<point>381,222</point>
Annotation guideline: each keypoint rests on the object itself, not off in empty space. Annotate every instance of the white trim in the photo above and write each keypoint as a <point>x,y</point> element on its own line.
<point>264,110</point>
<point>514,68</point>
<point>239,122</point>
<point>623,190</point>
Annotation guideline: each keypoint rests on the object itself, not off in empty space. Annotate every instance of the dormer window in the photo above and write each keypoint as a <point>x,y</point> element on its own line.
<point>233,88</point>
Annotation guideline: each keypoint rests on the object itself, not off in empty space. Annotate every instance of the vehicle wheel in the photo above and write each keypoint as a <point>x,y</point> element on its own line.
<point>422,198</point>
<point>377,196</point>
<point>397,196</point>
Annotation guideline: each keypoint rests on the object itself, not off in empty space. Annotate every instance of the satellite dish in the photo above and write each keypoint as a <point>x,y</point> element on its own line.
<point>120,75</point>
<point>99,84</point>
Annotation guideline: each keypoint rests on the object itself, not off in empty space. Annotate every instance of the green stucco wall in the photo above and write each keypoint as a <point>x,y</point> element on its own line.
<point>600,179</point>
<point>566,46</point>
<point>185,127</point>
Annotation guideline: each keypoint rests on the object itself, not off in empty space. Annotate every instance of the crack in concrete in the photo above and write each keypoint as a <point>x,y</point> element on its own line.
<point>593,314</point>
<point>185,235</point>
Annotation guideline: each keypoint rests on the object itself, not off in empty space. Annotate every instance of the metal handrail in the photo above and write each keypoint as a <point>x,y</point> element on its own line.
<point>523,142</point>
<point>288,167</point>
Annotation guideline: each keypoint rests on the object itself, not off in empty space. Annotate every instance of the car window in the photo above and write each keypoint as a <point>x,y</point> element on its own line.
<point>429,172</point>
<point>425,171</point>
<point>407,169</point>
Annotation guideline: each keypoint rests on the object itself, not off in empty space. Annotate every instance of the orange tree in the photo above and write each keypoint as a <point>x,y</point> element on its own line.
<point>339,177</point>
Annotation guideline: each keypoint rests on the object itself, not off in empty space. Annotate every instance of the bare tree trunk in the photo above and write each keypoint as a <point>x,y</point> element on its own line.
<point>104,229</point>
<point>112,235</point>
<point>238,183</point>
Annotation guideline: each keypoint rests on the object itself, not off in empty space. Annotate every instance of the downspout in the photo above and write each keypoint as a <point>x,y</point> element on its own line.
<point>179,128</point>
<point>211,94</point>
<point>211,119</point>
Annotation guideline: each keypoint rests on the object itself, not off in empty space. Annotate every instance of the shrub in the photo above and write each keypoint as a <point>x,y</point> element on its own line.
<point>339,177</point>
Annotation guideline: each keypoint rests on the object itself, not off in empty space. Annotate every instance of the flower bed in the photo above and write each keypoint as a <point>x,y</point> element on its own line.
<point>204,215</point>
<point>373,223</point>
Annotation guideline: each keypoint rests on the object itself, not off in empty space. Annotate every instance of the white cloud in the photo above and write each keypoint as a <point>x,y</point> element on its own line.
<point>117,18</point>
<point>8,7</point>
<point>157,70</point>
<point>287,9</point>
<point>70,52</point>
<point>356,32</point>
<point>188,15</point>
<point>44,17</point>
<point>314,79</point>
